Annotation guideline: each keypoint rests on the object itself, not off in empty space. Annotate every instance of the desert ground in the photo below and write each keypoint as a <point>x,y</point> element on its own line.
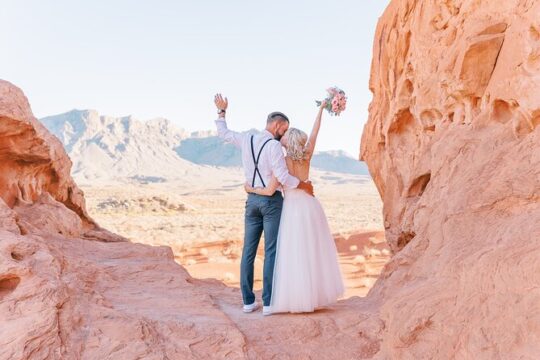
<point>202,221</point>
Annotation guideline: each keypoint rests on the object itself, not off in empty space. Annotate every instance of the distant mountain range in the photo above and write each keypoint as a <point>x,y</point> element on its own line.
<point>104,147</point>
<point>212,151</point>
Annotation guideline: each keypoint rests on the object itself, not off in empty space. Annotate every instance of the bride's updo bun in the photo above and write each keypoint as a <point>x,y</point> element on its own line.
<point>296,144</point>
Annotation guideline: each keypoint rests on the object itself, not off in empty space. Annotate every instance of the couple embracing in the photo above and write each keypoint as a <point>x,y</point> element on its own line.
<point>301,271</point>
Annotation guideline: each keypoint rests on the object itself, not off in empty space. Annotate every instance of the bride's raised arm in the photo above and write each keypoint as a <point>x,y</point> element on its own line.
<point>315,132</point>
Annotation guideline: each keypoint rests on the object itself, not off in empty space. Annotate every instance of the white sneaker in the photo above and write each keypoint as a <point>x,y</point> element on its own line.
<point>251,307</point>
<point>267,310</point>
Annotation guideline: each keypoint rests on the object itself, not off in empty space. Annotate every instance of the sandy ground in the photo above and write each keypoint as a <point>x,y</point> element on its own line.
<point>203,223</point>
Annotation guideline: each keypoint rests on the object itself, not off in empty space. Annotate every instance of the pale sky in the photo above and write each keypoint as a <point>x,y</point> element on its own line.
<point>168,58</point>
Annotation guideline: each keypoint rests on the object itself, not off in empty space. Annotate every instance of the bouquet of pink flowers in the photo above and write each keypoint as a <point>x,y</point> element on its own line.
<point>336,101</point>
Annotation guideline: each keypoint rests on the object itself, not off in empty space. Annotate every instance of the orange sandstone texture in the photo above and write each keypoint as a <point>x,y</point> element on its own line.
<point>453,144</point>
<point>35,169</point>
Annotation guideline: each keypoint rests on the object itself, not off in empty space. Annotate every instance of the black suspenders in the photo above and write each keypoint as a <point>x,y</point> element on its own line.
<point>256,161</point>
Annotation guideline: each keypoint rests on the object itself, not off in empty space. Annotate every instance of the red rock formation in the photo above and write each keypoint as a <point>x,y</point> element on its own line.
<point>453,144</point>
<point>35,168</point>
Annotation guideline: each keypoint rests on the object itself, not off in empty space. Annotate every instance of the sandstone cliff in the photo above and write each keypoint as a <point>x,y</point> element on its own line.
<point>453,144</point>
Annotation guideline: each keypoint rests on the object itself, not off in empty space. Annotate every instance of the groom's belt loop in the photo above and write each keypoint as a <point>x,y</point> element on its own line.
<point>256,162</point>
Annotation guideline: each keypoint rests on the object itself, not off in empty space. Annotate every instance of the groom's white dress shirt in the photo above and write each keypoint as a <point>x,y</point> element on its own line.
<point>272,161</point>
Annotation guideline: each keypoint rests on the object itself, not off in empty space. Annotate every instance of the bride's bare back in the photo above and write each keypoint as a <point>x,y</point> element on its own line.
<point>298,168</point>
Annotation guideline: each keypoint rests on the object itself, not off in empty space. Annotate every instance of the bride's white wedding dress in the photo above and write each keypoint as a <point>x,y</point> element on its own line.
<point>306,273</point>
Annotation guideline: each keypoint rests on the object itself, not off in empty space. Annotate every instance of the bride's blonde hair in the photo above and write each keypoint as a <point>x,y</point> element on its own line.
<point>296,144</point>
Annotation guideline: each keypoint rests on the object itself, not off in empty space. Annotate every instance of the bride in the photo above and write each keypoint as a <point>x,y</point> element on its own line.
<point>306,272</point>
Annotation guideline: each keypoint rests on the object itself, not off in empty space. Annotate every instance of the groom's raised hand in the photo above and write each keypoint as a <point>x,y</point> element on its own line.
<point>221,103</point>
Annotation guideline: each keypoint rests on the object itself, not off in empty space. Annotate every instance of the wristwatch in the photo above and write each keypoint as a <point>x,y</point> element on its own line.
<point>221,111</point>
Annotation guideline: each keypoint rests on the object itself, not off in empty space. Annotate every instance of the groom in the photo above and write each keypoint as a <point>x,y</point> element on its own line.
<point>262,158</point>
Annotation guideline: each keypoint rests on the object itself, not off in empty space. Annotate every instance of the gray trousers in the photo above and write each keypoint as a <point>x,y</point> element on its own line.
<point>263,213</point>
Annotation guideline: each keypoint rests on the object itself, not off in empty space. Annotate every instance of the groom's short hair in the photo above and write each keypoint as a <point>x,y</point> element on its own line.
<point>276,115</point>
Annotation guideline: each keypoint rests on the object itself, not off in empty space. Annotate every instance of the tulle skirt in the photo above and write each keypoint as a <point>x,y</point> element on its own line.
<point>306,273</point>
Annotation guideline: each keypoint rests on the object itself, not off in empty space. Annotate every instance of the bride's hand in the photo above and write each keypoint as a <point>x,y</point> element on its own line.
<point>323,104</point>
<point>248,188</point>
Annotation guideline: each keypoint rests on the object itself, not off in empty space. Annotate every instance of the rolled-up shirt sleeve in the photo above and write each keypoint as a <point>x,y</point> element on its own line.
<point>279,167</point>
<point>227,135</point>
